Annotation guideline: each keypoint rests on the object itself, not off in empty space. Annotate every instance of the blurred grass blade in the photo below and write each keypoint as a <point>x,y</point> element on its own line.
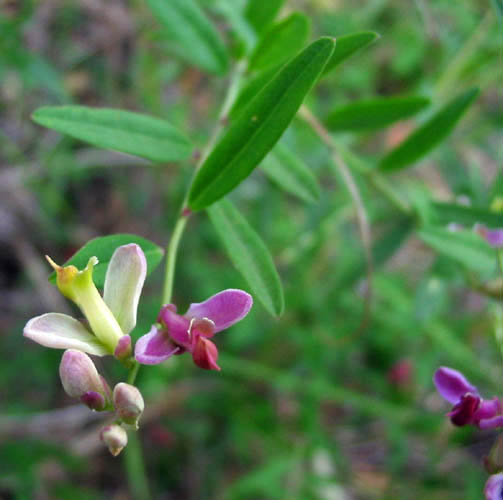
<point>445,213</point>
<point>104,247</point>
<point>464,247</point>
<point>281,42</point>
<point>197,41</point>
<point>428,135</point>
<point>291,174</point>
<point>259,126</point>
<point>261,13</point>
<point>347,45</point>
<point>374,113</point>
<point>249,254</point>
<point>124,131</point>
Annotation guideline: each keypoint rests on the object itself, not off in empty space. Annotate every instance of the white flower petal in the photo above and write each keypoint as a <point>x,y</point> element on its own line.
<point>63,332</point>
<point>123,284</point>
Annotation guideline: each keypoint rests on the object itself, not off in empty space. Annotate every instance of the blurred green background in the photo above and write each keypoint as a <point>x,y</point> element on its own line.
<point>316,404</point>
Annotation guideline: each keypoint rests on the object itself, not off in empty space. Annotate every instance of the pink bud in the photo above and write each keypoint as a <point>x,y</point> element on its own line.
<point>115,437</point>
<point>123,349</point>
<point>128,403</point>
<point>80,379</point>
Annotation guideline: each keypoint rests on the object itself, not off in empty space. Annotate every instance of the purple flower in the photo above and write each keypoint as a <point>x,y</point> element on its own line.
<point>191,332</point>
<point>494,487</point>
<point>469,407</point>
<point>493,236</point>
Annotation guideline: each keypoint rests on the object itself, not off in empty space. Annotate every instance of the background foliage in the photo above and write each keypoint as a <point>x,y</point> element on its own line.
<point>334,399</point>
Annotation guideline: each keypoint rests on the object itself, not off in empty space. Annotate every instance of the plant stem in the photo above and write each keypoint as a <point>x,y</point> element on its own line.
<point>135,469</point>
<point>172,249</point>
<point>133,373</point>
<point>171,258</point>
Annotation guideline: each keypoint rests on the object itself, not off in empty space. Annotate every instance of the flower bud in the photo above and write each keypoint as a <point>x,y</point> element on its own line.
<point>123,349</point>
<point>80,379</point>
<point>128,403</point>
<point>115,437</point>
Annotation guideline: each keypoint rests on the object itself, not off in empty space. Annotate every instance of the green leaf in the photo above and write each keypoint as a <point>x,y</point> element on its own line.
<point>428,135</point>
<point>280,42</point>
<point>291,174</point>
<point>445,213</point>
<point>119,130</point>
<point>465,247</point>
<point>347,45</point>
<point>252,87</point>
<point>103,247</point>
<point>374,113</point>
<point>249,254</point>
<point>259,126</point>
<point>261,14</point>
<point>197,41</point>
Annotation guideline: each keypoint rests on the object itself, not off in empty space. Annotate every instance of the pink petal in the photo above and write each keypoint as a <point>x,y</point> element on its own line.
<point>224,309</point>
<point>205,354</point>
<point>491,423</point>
<point>488,409</point>
<point>452,385</point>
<point>176,325</point>
<point>494,487</point>
<point>154,347</point>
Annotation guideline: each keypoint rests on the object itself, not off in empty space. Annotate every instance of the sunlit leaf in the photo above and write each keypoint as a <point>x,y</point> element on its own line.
<point>249,254</point>
<point>124,131</point>
<point>430,134</point>
<point>374,113</point>
<point>103,247</point>
<point>259,126</point>
<point>197,41</point>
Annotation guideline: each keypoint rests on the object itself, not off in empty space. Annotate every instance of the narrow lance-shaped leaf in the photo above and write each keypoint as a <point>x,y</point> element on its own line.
<point>374,113</point>
<point>103,247</point>
<point>291,174</point>
<point>428,135</point>
<point>261,13</point>
<point>125,131</point>
<point>347,45</point>
<point>197,41</point>
<point>249,254</point>
<point>465,247</point>
<point>280,42</point>
<point>445,213</point>
<point>259,126</point>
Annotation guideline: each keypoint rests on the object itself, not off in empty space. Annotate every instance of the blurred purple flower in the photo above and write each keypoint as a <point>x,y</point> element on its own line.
<point>493,236</point>
<point>494,487</point>
<point>469,408</point>
<point>192,331</point>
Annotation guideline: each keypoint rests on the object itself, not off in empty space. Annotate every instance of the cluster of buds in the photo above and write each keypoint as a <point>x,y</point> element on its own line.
<point>470,409</point>
<point>110,319</point>
<point>81,379</point>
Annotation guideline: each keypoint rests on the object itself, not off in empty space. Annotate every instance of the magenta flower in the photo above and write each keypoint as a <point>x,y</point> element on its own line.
<point>494,487</point>
<point>191,332</point>
<point>469,408</point>
<point>493,236</point>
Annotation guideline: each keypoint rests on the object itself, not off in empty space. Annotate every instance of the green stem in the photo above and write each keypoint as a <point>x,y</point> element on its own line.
<point>135,469</point>
<point>133,373</point>
<point>172,250</point>
<point>171,258</point>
